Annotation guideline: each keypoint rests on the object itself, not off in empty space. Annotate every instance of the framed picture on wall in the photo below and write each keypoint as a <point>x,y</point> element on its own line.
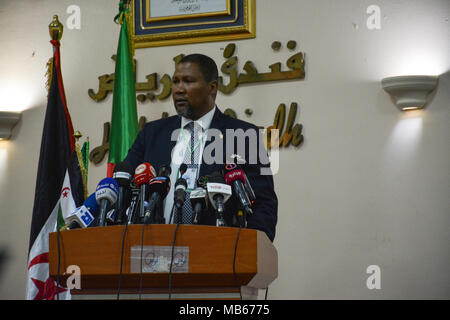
<point>171,22</point>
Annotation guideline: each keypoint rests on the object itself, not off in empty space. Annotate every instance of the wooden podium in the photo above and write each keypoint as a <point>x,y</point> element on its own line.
<point>202,267</point>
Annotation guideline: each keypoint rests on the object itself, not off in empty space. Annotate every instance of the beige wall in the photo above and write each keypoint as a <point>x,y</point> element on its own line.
<point>369,186</point>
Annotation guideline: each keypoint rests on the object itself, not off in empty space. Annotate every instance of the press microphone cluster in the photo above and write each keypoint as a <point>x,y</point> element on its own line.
<point>94,210</point>
<point>217,188</point>
<point>137,197</point>
<point>128,197</point>
<point>140,194</point>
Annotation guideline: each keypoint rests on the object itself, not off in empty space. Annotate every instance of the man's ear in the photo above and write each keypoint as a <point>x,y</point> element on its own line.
<point>213,87</point>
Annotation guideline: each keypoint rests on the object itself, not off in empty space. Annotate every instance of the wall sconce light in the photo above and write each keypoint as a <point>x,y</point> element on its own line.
<point>7,122</point>
<point>410,92</point>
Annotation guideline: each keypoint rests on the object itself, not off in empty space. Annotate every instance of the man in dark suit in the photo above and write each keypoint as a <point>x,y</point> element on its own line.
<point>163,141</point>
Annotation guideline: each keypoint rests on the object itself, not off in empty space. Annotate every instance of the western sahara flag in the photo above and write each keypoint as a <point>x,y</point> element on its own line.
<point>59,187</point>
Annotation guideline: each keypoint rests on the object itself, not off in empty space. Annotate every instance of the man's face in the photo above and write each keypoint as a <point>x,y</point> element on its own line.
<point>192,95</point>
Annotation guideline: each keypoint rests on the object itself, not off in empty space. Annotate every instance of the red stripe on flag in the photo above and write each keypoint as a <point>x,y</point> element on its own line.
<point>42,258</point>
<point>57,61</point>
<point>110,169</point>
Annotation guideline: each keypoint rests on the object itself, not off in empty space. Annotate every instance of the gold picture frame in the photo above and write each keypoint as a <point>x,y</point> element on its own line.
<point>236,22</point>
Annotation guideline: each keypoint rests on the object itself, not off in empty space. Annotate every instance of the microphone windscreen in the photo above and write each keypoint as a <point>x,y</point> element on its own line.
<point>123,173</point>
<point>107,189</point>
<point>181,183</point>
<point>234,175</point>
<point>144,173</point>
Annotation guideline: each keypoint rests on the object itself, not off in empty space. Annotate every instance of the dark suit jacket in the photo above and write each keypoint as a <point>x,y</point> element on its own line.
<point>154,145</point>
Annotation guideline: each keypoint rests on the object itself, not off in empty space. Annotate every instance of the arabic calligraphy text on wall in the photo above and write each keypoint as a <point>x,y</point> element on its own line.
<point>250,74</point>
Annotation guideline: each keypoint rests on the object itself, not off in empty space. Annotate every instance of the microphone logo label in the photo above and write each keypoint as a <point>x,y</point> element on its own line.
<point>218,188</point>
<point>141,168</point>
<point>86,216</point>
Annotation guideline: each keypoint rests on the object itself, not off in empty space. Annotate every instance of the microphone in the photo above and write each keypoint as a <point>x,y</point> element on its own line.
<point>236,178</point>
<point>83,216</point>
<point>249,190</point>
<point>159,188</point>
<point>122,174</point>
<point>199,202</point>
<point>111,216</point>
<point>142,176</point>
<point>106,194</point>
<point>165,171</point>
<point>237,160</point>
<point>180,196</point>
<point>131,210</point>
<point>180,192</point>
<point>218,193</point>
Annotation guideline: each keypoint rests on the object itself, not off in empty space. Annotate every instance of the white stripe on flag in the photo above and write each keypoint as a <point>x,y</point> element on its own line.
<point>40,271</point>
<point>67,201</point>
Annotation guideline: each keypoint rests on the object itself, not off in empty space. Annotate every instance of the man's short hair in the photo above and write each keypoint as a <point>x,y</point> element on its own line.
<point>206,65</point>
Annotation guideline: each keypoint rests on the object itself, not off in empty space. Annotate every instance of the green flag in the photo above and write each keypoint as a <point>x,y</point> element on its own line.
<point>124,120</point>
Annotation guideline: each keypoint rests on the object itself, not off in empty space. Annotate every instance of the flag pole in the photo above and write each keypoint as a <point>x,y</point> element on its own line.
<point>56,30</point>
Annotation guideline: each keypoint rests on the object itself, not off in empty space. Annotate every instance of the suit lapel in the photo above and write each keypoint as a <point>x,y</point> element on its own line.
<point>164,151</point>
<point>218,122</point>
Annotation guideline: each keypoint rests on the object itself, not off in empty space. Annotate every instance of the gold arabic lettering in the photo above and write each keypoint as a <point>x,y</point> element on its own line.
<point>229,68</point>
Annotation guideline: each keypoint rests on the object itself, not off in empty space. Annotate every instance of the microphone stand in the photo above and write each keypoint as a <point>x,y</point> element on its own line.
<point>220,221</point>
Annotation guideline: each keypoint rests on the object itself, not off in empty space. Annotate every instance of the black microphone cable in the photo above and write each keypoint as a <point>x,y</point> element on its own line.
<point>171,216</point>
<point>142,250</point>
<point>171,260</point>
<point>121,259</point>
<point>119,286</point>
<point>176,210</point>
<point>122,174</point>
<point>59,259</point>
<point>141,275</point>
<point>177,216</point>
<point>234,262</point>
<point>164,171</point>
